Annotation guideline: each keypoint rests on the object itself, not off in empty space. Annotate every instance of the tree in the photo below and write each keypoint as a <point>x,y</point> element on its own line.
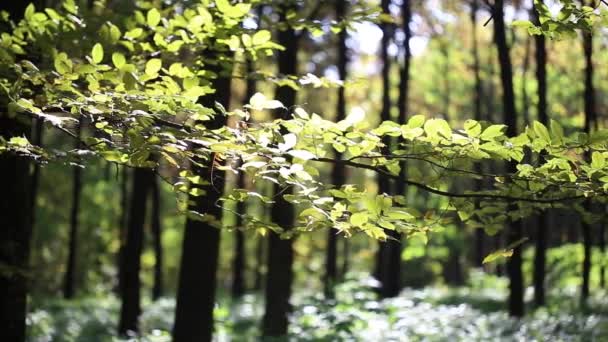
<point>70,274</point>
<point>131,283</point>
<point>477,96</point>
<point>338,175</point>
<point>515,233</point>
<point>541,224</point>
<point>388,258</point>
<point>200,251</point>
<point>280,251</point>
<point>16,210</point>
<point>156,227</point>
<point>590,125</point>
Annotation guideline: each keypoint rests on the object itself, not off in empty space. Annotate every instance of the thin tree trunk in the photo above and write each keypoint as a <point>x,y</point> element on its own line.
<point>338,175</point>
<point>15,210</point>
<point>541,228</point>
<point>122,226</point>
<point>259,256</point>
<point>280,251</point>
<point>157,236</point>
<point>131,291</point>
<point>515,233</point>
<point>590,125</point>
<point>238,263</point>
<point>200,250</point>
<point>479,233</point>
<point>36,140</point>
<point>69,283</point>
<point>385,271</point>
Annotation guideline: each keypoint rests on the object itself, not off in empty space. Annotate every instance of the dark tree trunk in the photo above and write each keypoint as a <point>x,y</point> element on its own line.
<point>157,234</point>
<point>280,251</point>
<point>515,233</point>
<point>69,282</point>
<point>602,246</point>
<point>541,228</point>
<point>590,125</point>
<point>131,291</point>
<point>338,175</point>
<point>15,235</point>
<point>122,225</point>
<point>258,282</point>
<point>238,263</point>
<point>388,259</point>
<point>34,184</point>
<point>346,246</point>
<point>200,249</point>
<point>479,233</point>
<point>15,210</point>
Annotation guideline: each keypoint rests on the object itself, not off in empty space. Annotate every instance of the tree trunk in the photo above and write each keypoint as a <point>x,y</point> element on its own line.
<point>15,235</point>
<point>37,134</point>
<point>122,225</point>
<point>338,175</point>
<point>388,259</point>
<point>69,283</point>
<point>15,210</point>
<point>200,249</point>
<point>590,125</point>
<point>157,236</point>
<point>479,233</point>
<point>258,282</point>
<point>541,228</point>
<point>515,233</point>
<point>131,291</point>
<point>280,251</point>
<point>238,263</point>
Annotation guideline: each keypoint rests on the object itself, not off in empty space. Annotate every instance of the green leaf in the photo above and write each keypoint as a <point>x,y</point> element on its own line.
<point>236,11</point>
<point>153,66</point>
<point>501,254</point>
<point>438,127</point>
<point>97,53</point>
<point>472,127</point>
<point>598,161</point>
<point>118,59</point>
<point>153,17</point>
<point>557,132</point>
<point>416,121</point>
<point>541,132</point>
<point>261,37</point>
<point>493,132</point>
<point>259,102</point>
<point>302,154</point>
<point>359,219</point>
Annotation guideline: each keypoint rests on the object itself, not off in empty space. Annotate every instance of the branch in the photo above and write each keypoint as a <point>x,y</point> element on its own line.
<point>446,193</point>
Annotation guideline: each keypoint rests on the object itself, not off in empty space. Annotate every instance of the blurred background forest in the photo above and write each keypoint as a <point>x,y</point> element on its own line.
<point>446,292</point>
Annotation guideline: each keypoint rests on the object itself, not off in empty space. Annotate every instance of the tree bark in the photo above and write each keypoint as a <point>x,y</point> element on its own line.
<point>280,251</point>
<point>388,258</point>
<point>515,233</point>
<point>131,291</point>
<point>479,233</point>
<point>15,210</point>
<point>338,175</point>
<point>238,263</point>
<point>157,237</point>
<point>122,226</point>
<point>200,250</point>
<point>590,126</point>
<point>541,224</point>
<point>69,283</point>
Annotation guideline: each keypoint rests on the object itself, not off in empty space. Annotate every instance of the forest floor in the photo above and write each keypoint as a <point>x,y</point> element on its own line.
<point>474,313</point>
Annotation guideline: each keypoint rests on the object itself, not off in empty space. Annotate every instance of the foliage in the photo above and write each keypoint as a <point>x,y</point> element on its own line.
<point>428,315</point>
